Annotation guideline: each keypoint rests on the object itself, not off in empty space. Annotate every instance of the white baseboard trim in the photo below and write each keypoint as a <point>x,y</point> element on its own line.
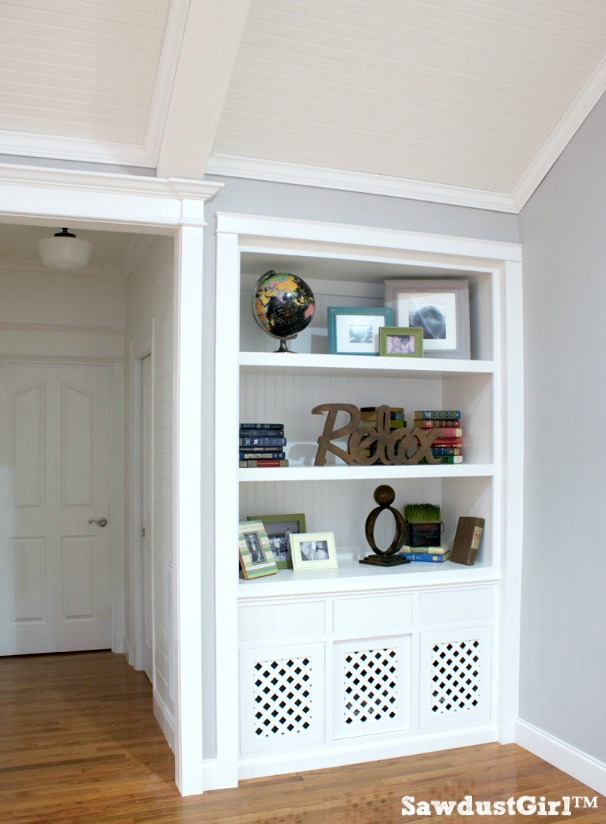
<point>350,751</point>
<point>165,719</point>
<point>576,763</point>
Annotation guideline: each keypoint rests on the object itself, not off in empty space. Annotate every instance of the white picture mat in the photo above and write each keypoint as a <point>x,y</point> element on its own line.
<point>445,302</point>
<point>343,328</point>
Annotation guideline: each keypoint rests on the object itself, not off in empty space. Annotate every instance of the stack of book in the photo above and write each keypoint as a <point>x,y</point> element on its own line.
<point>369,418</point>
<point>448,446</point>
<point>262,444</point>
<point>429,554</point>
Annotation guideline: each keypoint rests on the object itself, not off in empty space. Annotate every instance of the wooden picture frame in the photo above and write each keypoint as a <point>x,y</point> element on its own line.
<point>401,342</point>
<point>313,550</point>
<point>256,557</point>
<point>354,330</point>
<point>440,307</point>
<point>279,528</point>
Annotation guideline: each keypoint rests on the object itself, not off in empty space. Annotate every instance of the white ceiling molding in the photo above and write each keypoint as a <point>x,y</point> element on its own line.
<point>561,136</point>
<point>208,52</point>
<point>52,147</point>
<point>172,45</point>
<point>358,182</point>
<point>124,201</point>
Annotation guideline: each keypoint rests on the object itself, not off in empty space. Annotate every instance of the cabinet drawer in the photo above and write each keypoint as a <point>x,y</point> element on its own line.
<point>385,612</point>
<point>458,605</point>
<point>281,620</point>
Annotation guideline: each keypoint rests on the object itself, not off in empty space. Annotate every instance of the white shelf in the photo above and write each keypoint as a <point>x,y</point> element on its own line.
<point>363,365</point>
<point>351,576</point>
<point>361,473</point>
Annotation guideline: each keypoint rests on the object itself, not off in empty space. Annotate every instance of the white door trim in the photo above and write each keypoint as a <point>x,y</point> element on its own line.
<point>157,206</point>
<point>139,348</point>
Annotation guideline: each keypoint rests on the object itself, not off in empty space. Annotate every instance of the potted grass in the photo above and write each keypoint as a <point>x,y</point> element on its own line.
<point>424,524</point>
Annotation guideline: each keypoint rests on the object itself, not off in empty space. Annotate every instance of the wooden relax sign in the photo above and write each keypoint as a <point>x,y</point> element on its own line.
<point>367,445</point>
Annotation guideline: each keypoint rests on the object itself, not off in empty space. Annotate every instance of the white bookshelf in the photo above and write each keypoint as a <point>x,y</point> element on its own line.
<point>346,266</point>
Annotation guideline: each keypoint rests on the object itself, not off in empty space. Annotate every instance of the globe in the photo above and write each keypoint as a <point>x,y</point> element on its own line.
<point>283,306</point>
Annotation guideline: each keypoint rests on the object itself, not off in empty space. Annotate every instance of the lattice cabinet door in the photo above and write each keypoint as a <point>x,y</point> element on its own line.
<point>281,697</point>
<point>455,676</point>
<point>371,686</point>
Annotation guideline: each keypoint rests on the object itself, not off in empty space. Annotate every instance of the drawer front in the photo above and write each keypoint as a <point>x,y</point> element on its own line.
<point>457,605</point>
<point>273,621</point>
<point>381,612</point>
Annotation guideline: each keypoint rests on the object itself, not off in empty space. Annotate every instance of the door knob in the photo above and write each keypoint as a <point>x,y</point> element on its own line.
<point>100,522</point>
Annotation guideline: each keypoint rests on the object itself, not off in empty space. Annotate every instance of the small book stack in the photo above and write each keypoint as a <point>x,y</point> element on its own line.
<point>448,446</point>
<point>369,417</point>
<point>429,554</point>
<point>262,444</point>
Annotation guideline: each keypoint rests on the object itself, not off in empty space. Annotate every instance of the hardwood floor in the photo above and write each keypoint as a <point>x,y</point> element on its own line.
<point>79,745</point>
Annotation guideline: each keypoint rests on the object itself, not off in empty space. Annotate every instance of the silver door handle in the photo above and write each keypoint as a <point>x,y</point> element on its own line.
<point>100,522</point>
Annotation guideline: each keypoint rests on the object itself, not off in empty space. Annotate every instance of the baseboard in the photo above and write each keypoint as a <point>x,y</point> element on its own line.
<point>126,649</point>
<point>210,780</point>
<point>165,719</point>
<point>349,751</point>
<point>576,763</point>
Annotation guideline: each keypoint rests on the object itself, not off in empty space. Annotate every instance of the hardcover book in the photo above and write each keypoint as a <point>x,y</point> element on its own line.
<point>262,442</point>
<point>467,540</point>
<point>438,414</point>
<point>274,455</point>
<point>261,433</point>
<point>261,462</point>
<point>261,426</point>
<point>426,557</point>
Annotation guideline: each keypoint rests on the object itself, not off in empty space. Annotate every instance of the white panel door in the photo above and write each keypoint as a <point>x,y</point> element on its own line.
<point>55,566</point>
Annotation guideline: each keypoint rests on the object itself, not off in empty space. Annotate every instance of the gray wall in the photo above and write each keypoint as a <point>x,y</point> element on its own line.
<point>562,228</point>
<point>281,200</point>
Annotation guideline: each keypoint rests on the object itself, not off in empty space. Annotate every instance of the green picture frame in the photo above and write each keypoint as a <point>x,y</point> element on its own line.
<point>256,557</point>
<point>279,528</point>
<point>401,342</point>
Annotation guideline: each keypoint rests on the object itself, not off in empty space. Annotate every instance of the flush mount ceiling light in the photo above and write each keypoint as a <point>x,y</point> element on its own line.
<point>64,251</point>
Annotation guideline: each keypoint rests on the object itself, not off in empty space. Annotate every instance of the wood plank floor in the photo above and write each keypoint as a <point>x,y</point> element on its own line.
<point>79,745</point>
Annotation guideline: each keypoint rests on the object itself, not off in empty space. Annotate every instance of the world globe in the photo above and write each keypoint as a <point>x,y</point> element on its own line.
<point>283,306</point>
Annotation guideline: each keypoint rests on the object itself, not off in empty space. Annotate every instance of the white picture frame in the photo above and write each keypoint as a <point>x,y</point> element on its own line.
<point>440,307</point>
<point>313,550</point>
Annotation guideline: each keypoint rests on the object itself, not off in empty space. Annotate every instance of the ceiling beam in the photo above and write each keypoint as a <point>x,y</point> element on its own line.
<point>211,39</point>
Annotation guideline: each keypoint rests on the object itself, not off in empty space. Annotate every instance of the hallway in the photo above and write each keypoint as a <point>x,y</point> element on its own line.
<point>79,745</point>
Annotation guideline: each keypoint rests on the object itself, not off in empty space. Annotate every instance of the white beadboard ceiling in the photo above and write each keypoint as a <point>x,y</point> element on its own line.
<point>461,101</point>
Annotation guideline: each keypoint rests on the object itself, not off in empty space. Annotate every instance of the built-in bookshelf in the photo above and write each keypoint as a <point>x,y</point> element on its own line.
<point>347,266</point>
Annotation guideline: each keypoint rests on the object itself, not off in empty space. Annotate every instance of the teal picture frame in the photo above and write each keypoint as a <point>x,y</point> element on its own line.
<point>354,330</point>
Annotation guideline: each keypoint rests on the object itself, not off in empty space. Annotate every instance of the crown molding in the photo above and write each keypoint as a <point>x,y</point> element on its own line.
<point>83,197</point>
<point>28,144</point>
<point>363,182</point>
<point>561,136</point>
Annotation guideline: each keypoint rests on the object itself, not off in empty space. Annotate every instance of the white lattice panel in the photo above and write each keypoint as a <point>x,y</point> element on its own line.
<point>455,676</point>
<point>281,697</point>
<point>372,686</point>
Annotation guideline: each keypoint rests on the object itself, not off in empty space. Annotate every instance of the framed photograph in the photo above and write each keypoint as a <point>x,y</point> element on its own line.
<point>439,307</point>
<point>401,342</point>
<point>256,557</point>
<point>313,550</point>
<point>354,330</point>
<point>279,528</point>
